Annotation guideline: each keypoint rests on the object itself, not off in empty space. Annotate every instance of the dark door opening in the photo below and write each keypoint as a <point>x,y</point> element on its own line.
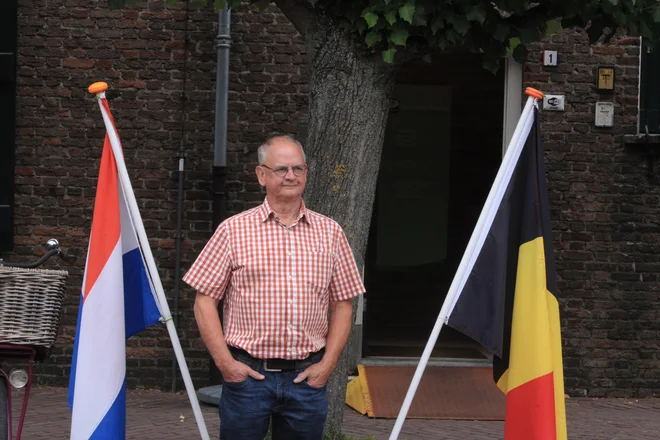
<point>443,147</point>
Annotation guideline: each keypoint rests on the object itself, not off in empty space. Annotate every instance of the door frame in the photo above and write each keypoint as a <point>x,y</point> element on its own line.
<point>513,89</point>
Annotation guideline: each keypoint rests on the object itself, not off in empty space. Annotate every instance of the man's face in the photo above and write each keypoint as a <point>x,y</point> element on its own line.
<point>279,185</point>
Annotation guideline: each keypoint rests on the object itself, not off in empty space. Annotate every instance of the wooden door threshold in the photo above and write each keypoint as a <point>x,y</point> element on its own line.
<point>438,362</point>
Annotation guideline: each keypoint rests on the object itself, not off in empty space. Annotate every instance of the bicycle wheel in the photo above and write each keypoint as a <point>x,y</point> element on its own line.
<point>4,421</point>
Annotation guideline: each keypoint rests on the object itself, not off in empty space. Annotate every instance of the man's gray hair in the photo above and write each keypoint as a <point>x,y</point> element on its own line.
<point>263,148</point>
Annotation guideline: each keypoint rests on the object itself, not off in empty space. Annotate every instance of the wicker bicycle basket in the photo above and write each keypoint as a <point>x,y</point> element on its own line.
<point>31,306</point>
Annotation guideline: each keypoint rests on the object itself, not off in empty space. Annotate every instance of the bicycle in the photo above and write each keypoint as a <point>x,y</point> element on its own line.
<point>30,309</point>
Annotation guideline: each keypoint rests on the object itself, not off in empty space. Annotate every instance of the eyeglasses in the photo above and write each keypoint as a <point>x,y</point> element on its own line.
<point>298,170</point>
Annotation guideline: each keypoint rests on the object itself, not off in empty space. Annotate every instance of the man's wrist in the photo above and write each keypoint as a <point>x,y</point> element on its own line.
<point>223,360</point>
<point>329,361</point>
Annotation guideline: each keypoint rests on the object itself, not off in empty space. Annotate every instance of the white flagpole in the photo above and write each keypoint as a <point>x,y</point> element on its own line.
<point>149,259</point>
<point>483,224</point>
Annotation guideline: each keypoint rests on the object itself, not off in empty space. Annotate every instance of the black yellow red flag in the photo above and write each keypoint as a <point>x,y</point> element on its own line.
<point>509,301</point>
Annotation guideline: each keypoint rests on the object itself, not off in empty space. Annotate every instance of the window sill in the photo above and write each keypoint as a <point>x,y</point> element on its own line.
<point>641,139</point>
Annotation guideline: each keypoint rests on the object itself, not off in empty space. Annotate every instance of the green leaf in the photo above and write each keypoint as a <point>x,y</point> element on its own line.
<point>399,36</point>
<point>452,35</point>
<point>529,35</point>
<point>427,58</point>
<point>614,2</point>
<point>390,16</point>
<point>371,18</point>
<point>382,24</point>
<point>172,2</point>
<point>361,26</point>
<point>388,55</point>
<point>477,13</point>
<point>656,14</point>
<point>501,32</point>
<point>115,4</point>
<point>513,43</point>
<point>645,30</point>
<point>437,24</point>
<point>352,14</point>
<point>461,25</point>
<point>552,26</point>
<point>373,38</point>
<point>420,19</point>
<point>520,53</point>
<point>261,4</point>
<point>407,11</point>
<point>346,25</point>
<point>517,5</point>
<point>491,65</point>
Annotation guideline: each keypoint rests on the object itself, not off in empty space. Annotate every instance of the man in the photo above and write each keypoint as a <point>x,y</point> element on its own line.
<point>279,268</point>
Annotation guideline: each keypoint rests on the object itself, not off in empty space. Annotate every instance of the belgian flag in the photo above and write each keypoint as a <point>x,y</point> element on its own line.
<point>509,301</point>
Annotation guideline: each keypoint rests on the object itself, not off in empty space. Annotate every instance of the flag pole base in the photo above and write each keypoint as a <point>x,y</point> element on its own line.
<point>210,395</point>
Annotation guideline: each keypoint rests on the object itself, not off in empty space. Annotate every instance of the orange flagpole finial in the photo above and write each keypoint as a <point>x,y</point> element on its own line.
<point>97,87</point>
<point>534,93</point>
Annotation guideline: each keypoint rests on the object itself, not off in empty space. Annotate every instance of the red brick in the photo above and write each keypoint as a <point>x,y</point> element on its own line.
<point>78,64</point>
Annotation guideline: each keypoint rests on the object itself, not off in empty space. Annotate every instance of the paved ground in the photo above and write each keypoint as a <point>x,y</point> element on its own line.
<point>165,416</point>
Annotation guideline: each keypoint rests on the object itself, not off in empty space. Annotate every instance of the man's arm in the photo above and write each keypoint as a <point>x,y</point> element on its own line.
<point>208,321</point>
<point>341,314</point>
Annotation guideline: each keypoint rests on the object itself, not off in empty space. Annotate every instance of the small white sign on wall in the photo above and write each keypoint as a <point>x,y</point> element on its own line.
<point>549,57</point>
<point>553,103</point>
<point>604,114</point>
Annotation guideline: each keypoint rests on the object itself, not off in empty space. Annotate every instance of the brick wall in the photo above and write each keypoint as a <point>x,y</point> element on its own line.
<point>605,209</point>
<point>605,221</point>
<point>65,45</point>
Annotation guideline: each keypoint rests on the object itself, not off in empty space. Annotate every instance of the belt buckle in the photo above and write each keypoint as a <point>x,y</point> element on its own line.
<point>271,370</point>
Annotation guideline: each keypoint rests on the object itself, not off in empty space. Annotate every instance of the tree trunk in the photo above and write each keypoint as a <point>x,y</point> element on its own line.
<point>349,102</point>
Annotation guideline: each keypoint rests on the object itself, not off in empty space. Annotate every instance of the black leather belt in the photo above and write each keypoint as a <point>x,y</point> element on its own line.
<point>275,365</point>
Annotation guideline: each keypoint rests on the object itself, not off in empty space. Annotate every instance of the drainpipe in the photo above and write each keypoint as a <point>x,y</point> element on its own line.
<point>179,211</point>
<point>222,45</point>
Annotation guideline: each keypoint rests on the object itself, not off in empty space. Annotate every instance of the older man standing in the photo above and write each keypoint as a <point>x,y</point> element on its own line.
<point>279,268</point>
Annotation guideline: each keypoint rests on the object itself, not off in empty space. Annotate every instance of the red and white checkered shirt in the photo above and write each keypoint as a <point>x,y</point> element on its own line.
<point>276,280</point>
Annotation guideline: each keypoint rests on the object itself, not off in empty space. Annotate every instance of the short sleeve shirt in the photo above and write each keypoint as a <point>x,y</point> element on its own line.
<point>276,281</point>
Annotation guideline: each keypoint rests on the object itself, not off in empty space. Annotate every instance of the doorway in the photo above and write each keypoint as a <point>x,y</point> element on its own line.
<point>442,150</point>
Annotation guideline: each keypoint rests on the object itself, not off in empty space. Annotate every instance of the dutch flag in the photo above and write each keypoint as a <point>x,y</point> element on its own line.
<point>117,302</point>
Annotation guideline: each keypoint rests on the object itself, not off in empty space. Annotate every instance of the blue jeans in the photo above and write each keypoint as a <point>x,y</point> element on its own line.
<point>298,411</point>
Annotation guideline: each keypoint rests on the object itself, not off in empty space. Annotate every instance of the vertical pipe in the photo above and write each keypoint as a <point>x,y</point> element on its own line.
<point>177,264</point>
<point>222,46</point>
<point>181,156</point>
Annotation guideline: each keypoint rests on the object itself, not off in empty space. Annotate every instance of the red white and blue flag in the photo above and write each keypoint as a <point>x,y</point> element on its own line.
<point>117,302</point>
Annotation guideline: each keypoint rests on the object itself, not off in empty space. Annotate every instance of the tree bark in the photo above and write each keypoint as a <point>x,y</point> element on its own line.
<point>349,102</point>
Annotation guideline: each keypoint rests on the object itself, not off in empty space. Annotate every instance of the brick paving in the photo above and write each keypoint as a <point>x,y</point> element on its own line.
<point>165,416</point>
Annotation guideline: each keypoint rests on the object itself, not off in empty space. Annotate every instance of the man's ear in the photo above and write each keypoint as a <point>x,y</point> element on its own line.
<point>261,175</point>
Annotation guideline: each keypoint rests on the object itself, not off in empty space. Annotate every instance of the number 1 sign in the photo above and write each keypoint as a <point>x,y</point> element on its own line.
<point>549,57</point>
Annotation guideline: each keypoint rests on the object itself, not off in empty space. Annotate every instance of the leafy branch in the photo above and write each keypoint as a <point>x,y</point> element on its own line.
<point>396,28</point>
